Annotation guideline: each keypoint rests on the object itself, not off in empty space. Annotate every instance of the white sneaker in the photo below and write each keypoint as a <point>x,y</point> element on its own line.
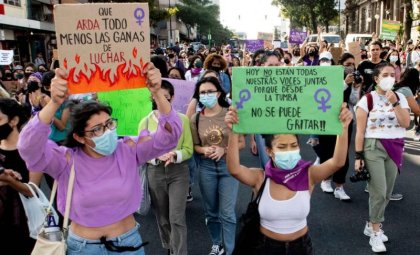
<point>377,243</point>
<point>369,232</point>
<point>326,186</point>
<point>341,194</point>
<point>216,250</point>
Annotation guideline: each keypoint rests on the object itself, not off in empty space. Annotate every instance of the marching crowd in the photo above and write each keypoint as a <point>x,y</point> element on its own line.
<point>44,132</point>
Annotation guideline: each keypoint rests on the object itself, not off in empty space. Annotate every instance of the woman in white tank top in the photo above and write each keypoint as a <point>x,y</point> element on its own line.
<point>285,200</point>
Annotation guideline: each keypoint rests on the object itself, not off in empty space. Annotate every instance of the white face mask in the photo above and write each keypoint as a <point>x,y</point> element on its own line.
<point>325,64</point>
<point>393,59</point>
<point>387,83</point>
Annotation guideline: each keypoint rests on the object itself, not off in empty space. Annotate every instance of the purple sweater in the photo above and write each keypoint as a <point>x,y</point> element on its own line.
<point>106,189</point>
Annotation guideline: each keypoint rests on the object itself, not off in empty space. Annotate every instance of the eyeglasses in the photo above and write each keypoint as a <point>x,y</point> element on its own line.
<point>100,129</point>
<point>208,92</point>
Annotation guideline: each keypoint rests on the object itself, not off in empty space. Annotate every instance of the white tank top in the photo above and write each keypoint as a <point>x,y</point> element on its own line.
<point>284,216</point>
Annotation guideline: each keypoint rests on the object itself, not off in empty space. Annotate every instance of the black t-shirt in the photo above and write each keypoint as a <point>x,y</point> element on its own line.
<point>366,69</point>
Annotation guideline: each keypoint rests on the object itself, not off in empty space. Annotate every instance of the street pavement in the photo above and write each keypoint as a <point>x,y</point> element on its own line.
<point>336,227</point>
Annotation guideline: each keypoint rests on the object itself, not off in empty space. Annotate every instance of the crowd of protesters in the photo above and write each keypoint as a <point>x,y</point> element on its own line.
<point>50,131</point>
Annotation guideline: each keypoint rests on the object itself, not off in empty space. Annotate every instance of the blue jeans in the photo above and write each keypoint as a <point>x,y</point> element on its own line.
<point>219,190</point>
<point>79,245</point>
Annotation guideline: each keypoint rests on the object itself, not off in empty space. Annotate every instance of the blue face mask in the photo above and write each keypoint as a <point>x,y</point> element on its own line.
<point>287,160</point>
<point>106,143</point>
<point>209,101</point>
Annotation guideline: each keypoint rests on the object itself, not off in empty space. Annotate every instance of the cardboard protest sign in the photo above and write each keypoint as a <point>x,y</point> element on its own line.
<point>354,48</point>
<point>254,45</point>
<point>296,36</point>
<point>289,100</point>
<point>129,107</point>
<point>103,46</point>
<point>336,52</point>
<point>184,91</point>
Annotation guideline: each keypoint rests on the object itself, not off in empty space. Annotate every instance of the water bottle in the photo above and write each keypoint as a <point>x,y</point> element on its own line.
<point>52,231</point>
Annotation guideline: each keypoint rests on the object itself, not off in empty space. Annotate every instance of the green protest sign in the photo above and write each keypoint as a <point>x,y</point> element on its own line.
<point>390,29</point>
<point>289,100</point>
<point>129,107</point>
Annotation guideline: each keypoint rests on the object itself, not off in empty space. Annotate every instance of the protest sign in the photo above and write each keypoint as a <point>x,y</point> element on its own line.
<point>296,36</point>
<point>289,100</point>
<point>6,57</point>
<point>265,36</point>
<point>184,91</point>
<point>354,48</point>
<point>254,45</point>
<point>129,107</point>
<point>390,29</point>
<point>103,46</point>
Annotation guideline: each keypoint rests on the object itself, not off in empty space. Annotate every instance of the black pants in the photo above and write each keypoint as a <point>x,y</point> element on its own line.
<point>325,150</point>
<point>268,246</point>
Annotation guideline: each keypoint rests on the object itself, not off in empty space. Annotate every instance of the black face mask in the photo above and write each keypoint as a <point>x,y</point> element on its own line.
<point>27,75</point>
<point>5,131</point>
<point>287,61</point>
<point>311,53</point>
<point>363,56</point>
<point>171,55</point>
<point>296,53</point>
<point>19,76</point>
<point>216,68</point>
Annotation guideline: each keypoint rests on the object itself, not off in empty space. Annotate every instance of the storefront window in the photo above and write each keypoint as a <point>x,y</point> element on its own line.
<point>13,2</point>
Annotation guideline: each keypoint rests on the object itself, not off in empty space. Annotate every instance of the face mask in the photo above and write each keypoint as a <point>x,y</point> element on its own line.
<point>287,61</point>
<point>348,70</point>
<point>19,76</point>
<point>311,53</point>
<point>287,160</point>
<point>106,143</point>
<point>208,101</point>
<point>393,59</point>
<point>27,75</point>
<point>296,53</point>
<point>216,68</point>
<point>363,56</point>
<point>5,131</point>
<point>387,83</point>
<point>171,55</point>
<point>325,64</point>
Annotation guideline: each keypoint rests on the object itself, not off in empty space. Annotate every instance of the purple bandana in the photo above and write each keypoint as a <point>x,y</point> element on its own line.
<point>394,148</point>
<point>296,179</point>
<point>195,71</point>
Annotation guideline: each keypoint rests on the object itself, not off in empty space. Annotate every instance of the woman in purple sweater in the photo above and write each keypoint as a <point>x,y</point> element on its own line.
<point>106,190</point>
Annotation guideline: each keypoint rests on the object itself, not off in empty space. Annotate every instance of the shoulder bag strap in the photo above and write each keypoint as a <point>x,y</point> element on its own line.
<point>260,191</point>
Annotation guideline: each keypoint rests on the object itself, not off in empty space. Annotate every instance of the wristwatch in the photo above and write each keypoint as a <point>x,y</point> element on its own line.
<point>396,104</point>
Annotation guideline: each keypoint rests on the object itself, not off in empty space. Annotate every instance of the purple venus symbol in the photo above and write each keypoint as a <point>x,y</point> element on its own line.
<point>322,100</point>
<point>139,15</point>
<point>244,96</point>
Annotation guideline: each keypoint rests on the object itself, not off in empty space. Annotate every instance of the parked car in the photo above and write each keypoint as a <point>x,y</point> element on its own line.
<point>331,39</point>
<point>362,38</point>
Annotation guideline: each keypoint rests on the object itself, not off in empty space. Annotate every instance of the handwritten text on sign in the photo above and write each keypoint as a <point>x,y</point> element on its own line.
<point>103,46</point>
<point>289,100</point>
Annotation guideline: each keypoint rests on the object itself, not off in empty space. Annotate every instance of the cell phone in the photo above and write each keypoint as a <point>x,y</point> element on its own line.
<point>1,170</point>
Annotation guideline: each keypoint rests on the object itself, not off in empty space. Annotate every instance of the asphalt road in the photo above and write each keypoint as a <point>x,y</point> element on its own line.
<point>336,227</point>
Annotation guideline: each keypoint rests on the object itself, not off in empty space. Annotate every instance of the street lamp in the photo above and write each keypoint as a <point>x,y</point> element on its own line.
<point>376,16</point>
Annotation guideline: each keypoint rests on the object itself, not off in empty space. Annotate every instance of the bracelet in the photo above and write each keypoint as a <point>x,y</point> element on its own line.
<point>359,155</point>
<point>396,104</point>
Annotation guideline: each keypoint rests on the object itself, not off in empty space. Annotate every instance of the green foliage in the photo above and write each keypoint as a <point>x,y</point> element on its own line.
<point>308,13</point>
<point>203,15</point>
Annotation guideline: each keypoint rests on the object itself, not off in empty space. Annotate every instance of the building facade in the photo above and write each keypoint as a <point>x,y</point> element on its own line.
<point>366,16</point>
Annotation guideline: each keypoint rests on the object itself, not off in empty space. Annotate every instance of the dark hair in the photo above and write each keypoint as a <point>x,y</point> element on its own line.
<point>11,108</point>
<point>160,63</point>
<point>377,43</point>
<point>270,138</point>
<point>166,85</point>
<point>181,72</point>
<point>398,63</point>
<point>222,99</point>
<point>269,54</point>
<point>47,77</point>
<point>256,53</point>
<point>410,78</point>
<point>378,69</point>
<point>80,115</point>
<point>29,65</point>
<point>344,57</point>
<point>288,54</point>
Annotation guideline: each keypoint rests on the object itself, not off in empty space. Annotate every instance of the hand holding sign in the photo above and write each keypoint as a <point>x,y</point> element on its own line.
<point>59,87</point>
<point>345,116</point>
<point>154,78</point>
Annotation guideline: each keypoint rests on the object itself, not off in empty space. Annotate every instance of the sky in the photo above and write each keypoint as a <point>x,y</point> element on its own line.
<point>252,16</point>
